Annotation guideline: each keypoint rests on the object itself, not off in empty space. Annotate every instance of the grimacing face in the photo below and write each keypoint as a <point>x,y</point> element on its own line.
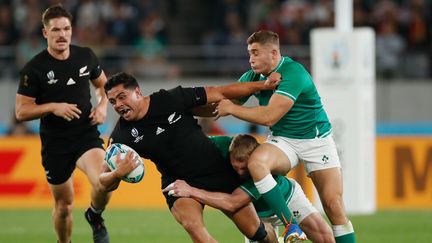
<point>261,58</point>
<point>125,102</point>
<point>58,33</point>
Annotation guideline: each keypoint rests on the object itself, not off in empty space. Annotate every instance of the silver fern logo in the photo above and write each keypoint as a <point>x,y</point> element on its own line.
<point>135,134</point>
<point>50,76</point>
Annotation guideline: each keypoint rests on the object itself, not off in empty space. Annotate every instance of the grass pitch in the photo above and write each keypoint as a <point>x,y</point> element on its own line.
<point>158,226</point>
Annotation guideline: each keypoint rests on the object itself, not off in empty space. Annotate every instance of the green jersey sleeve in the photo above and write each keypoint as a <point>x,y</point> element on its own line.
<point>222,143</point>
<point>294,80</point>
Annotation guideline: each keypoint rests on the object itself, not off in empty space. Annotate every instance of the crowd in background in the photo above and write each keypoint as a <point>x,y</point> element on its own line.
<point>169,39</point>
<point>137,35</point>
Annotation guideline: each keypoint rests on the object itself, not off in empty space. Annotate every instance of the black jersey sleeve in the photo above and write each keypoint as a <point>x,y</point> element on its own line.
<point>29,84</point>
<point>188,97</point>
<point>96,70</point>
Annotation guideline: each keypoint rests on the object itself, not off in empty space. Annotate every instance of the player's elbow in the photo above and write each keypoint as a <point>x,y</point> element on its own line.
<point>270,120</point>
<point>20,115</point>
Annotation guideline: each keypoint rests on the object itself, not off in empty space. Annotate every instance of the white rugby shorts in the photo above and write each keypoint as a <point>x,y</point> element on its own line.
<point>316,153</point>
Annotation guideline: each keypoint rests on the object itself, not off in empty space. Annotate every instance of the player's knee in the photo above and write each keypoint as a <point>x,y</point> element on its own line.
<point>192,226</point>
<point>260,233</point>
<point>63,210</point>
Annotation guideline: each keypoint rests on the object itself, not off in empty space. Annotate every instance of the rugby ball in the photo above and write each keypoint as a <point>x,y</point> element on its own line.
<point>111,157</point>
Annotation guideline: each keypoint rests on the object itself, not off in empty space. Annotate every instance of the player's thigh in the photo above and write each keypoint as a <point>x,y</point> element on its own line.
<point>63,193</point>
<point>246,220</point>
<point>91,163</point>
<point>299,204</point>
<point>272,158</point>
<point>188,212</point>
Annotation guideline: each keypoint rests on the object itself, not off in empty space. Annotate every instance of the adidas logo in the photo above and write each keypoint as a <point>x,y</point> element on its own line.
<point>70,82</point>
<point>159,130</point>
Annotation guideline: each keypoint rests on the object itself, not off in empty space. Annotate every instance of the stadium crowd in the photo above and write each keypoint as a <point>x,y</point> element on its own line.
<point>128,34</point>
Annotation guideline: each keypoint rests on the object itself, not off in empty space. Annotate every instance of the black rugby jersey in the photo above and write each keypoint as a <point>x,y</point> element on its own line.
<point>51,80</point>
<point>170,136</point>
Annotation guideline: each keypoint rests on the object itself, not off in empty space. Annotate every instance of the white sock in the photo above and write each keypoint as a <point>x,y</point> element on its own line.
<point>265,184</point>
<point>96,211</point>
<point>340,230</point>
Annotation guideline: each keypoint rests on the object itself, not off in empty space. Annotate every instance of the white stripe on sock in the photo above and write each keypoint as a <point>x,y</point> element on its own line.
<point>340,230</point>
<point>265,184</point>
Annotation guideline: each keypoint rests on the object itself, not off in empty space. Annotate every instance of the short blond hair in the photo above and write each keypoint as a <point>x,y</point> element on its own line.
<point>264,37</point>
<point>242,146</point>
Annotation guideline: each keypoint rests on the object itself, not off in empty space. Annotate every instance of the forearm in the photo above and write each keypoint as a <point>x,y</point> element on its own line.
<point>26,112</point>
<point>219,200</point>
<point>259,114</point>
<point>234,91</point>
<point>109,180</point>
<point>101,97</point>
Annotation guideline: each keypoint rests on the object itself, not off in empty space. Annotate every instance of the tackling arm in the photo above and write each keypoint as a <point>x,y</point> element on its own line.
<point>238,90</point>
<point>267,115</point>
<point>226,202</point>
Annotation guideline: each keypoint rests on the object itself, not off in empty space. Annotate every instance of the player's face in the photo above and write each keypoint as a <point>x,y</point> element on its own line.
<point>261,58</point>
<point>125,102</point>
<point>240,166</point>
<point>58,33</point>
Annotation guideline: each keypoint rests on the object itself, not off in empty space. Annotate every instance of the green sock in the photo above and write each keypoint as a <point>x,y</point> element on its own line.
<point>348,238</point>
<point>272,195</point>
<point>344,233</point>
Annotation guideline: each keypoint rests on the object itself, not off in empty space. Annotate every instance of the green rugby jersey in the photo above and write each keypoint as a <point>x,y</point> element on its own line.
<point>307,118</point>
<point>285,185</point>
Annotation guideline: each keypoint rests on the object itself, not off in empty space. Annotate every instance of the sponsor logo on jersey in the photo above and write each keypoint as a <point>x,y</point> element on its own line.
<point>135,134</point>
<point>159,130</point>
<point>173,119</point>
<point>82,71</point>
<point>70,82</point>
<point>50,76</point>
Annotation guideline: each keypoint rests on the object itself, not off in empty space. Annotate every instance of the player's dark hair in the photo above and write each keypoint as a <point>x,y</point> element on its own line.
<point>128,81</point>
<point>55,11</point>
<point>264,37</point>
<point>242,146</point>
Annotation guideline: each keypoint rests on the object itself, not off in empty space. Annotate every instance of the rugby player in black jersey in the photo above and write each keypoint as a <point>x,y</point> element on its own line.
<point>161,127</point>
<point>55,87</point>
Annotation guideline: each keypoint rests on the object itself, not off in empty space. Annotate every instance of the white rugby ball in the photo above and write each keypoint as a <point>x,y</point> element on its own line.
<point>111,157</point>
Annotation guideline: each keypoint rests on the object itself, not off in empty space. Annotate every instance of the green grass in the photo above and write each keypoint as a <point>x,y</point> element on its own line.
<point>35,226</point>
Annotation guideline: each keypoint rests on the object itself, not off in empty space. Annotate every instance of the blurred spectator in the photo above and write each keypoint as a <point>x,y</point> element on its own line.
<point>389,49</point>
<point>150,60</point>
<point>27,47</point>
<point>8,30</point>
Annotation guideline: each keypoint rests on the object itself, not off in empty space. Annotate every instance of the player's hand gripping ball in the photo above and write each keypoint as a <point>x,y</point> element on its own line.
<point>111,157</point>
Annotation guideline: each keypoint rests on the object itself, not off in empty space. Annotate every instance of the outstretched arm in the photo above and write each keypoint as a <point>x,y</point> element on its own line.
<point>238,90</point>
<point>267,115</point>
<point>226,202</point>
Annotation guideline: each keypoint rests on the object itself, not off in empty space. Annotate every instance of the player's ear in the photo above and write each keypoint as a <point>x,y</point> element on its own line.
<point>138,91</point>
<point>44,32</point>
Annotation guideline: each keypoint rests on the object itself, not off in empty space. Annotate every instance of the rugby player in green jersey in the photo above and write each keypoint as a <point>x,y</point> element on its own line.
<point>238,150</point>
<point>300,132</point>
